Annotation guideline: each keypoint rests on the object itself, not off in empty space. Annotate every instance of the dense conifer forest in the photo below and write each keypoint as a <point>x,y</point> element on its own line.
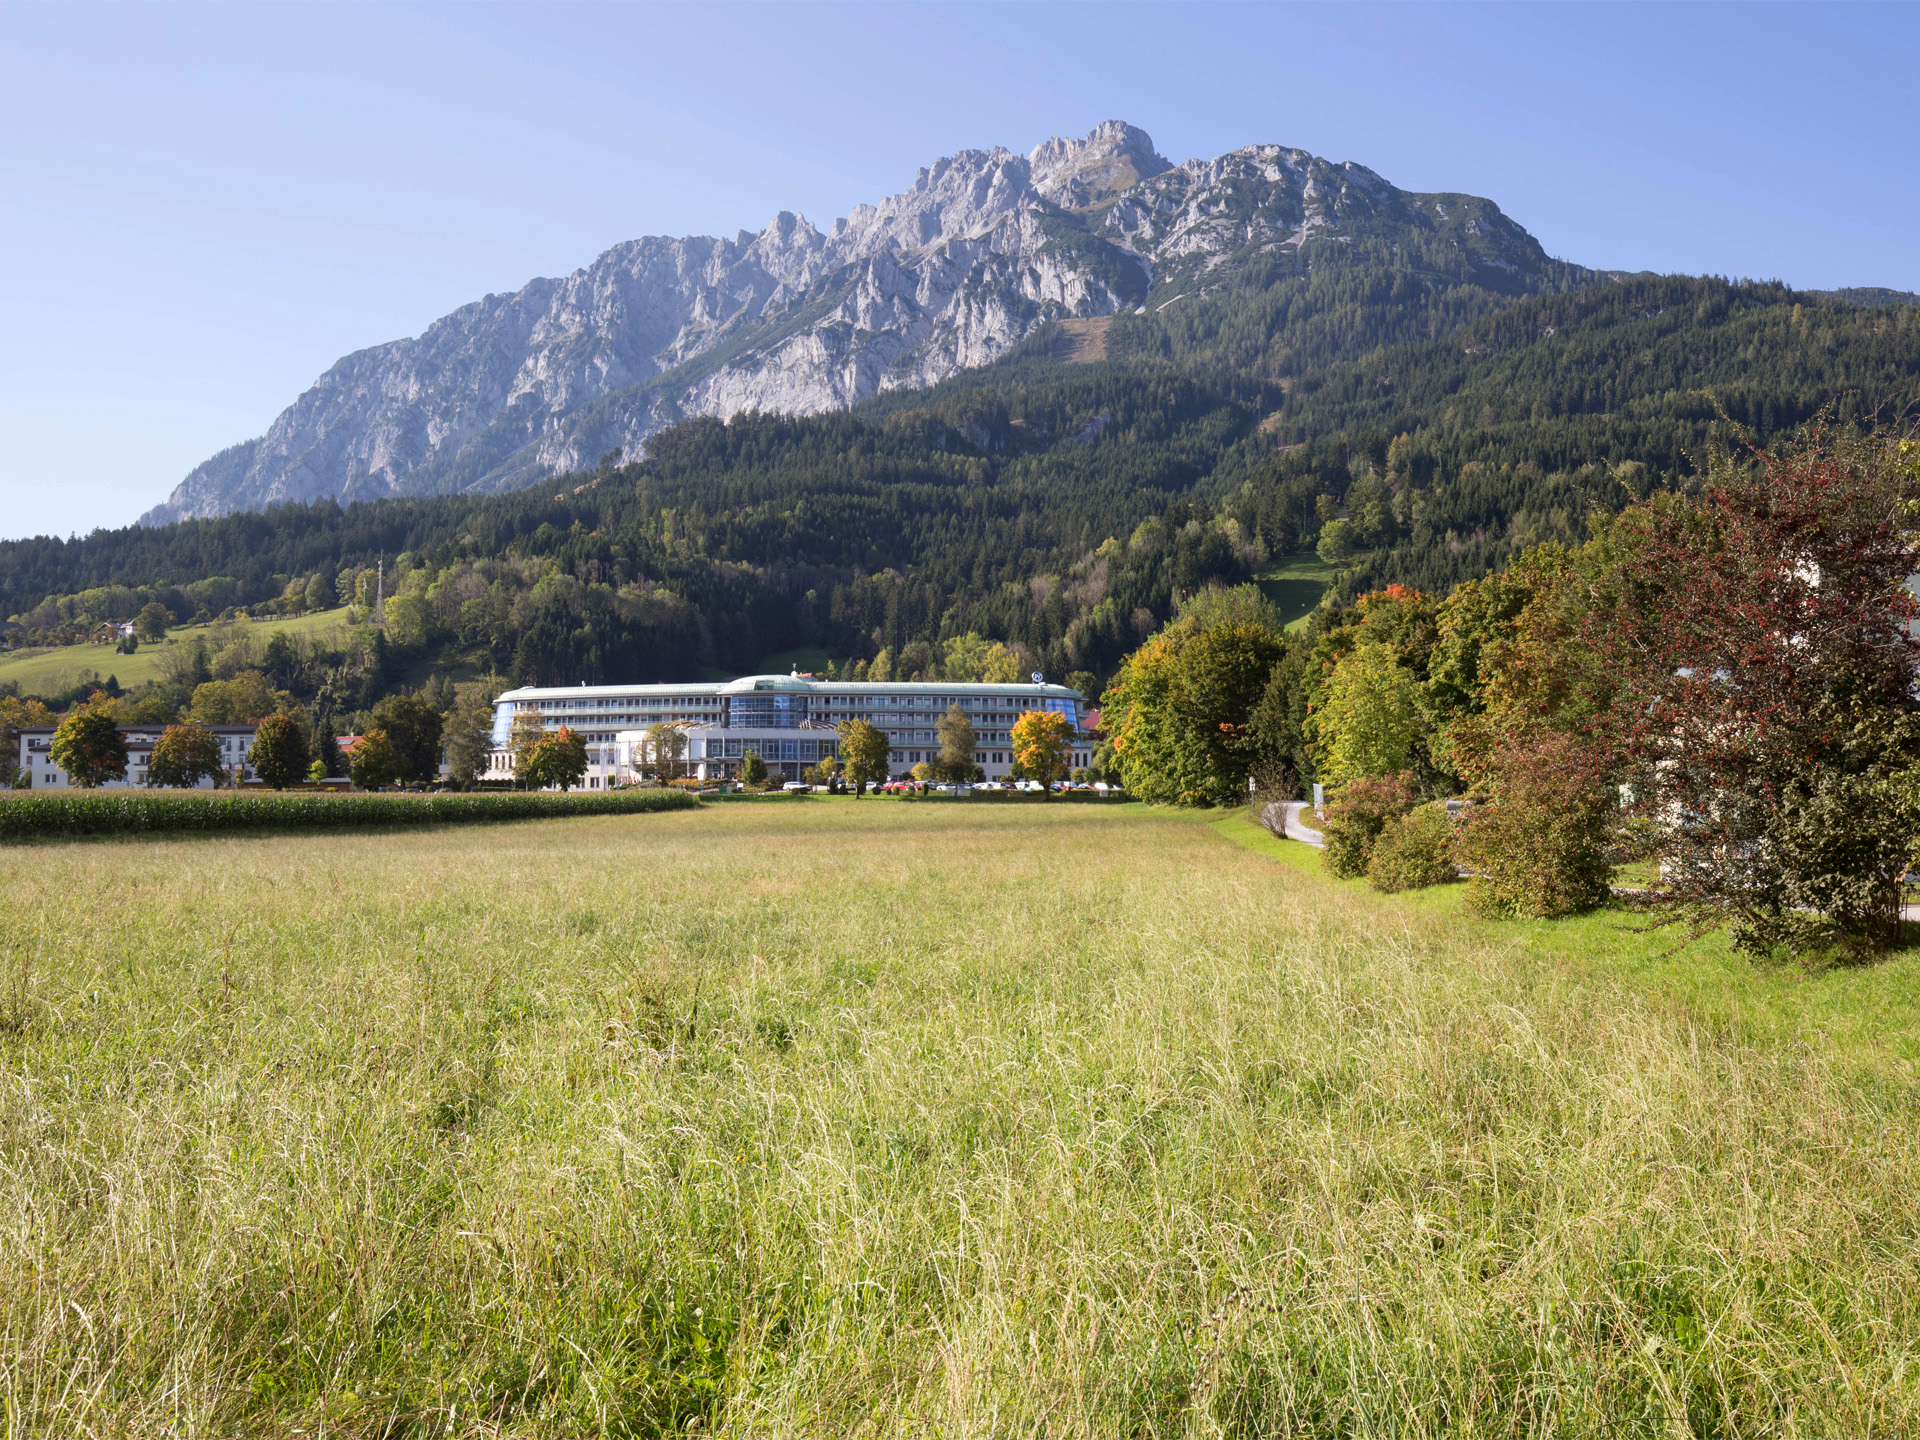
<point>1412,427</point>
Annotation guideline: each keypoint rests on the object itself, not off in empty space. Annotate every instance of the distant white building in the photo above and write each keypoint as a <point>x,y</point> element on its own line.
<point>36,741</point>
<point>790,721</point>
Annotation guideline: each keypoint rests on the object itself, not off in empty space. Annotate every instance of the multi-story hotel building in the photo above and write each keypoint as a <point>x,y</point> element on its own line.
<point>790,721</point>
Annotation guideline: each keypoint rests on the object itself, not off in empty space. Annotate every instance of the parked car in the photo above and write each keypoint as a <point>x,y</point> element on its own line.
<point>795,787</point>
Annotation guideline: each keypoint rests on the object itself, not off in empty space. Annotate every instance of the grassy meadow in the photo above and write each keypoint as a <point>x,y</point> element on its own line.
<point>44,670</point>
<point>1295,586</point>
<point>862,1118</point>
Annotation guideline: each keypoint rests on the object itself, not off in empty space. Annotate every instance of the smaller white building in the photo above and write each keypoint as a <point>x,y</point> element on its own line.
<point>36,761</point>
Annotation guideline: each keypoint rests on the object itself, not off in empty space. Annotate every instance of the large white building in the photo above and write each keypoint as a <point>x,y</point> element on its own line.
<point>791,721</point>
<point>36,759</point>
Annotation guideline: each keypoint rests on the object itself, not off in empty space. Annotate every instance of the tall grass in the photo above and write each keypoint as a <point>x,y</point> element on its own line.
<point>907,1120</point>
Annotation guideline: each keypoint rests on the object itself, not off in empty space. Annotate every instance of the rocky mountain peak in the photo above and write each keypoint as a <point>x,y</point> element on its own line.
<point>948,274</point>
<point>1078,174</point>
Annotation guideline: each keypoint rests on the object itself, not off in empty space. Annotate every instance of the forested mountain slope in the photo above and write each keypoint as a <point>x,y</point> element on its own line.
<point>1058,507</point>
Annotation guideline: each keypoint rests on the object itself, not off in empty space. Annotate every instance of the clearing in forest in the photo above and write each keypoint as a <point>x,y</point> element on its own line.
<point>1082,341</point>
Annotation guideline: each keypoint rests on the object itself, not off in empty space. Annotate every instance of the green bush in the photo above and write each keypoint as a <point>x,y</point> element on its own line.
<point>34,816</point>
<point>1414,850</point>
<point>1356,818</point>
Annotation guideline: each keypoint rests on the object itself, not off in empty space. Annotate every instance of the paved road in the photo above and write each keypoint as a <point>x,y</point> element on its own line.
<point>1290,824</point>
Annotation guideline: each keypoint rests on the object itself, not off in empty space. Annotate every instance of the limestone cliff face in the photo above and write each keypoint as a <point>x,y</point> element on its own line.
<point>951,273</point>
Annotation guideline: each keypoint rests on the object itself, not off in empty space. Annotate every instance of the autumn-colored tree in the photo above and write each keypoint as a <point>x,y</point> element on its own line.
<point>1538,844</point>
<point>1358,814</point>
<point>559,759</point>
<point>1509,663</point>
<point>1762,657</point>
<point>1043,744</point>
<point>279,754</point>
<point>89,747</point>
<point>184,755</point>
<point>17,715</point>
<point>866,751</point>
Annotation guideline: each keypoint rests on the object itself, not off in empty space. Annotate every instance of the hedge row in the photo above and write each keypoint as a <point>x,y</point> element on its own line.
<point>1023,797</point>
<point>131,812</point>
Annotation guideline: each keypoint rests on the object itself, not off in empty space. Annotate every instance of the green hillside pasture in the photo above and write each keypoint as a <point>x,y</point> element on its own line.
<point>50,672</point>
<point>1296,586</point>
<point>902,1121</point>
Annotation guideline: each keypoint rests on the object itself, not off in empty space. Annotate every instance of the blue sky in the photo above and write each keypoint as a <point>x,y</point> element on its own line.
<point>201,208</point>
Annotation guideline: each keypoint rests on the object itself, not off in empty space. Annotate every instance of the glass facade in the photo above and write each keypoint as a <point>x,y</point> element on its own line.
<point>777,711</point>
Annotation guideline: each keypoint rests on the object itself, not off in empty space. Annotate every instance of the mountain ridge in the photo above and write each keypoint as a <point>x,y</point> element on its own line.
<point>984,248</point>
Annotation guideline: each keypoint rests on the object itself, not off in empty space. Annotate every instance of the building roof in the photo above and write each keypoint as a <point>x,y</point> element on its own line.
<point>793,684</point>
<point>156,727</point>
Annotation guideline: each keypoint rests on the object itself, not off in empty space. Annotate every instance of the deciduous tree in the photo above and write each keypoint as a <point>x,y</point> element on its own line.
<point>89,747</point>
<point>753,769</point>
<point>246,698</point>
<point>1763,717</point>
<point>413,729</point>
<point>184,755</point>
<point>957,741</point>
<point>17,715</point>
<point>865,750</point>
<point>1042,743</point>
<point>279,753</point>
<point>666,747</point>
<point>375,762</point>
<point>1369,722</point>
<point>152,622</point>
<point>1356,817</point>
<point>559,759</point>
<point>1539,843</point>
<point>1178,711</point>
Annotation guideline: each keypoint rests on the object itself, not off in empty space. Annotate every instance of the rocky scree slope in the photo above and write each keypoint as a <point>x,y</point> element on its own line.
<point>984,248</point>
